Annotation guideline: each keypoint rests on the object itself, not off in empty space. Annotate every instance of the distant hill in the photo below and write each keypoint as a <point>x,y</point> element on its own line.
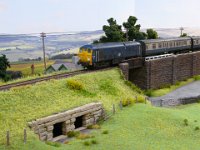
<point>30,46</point>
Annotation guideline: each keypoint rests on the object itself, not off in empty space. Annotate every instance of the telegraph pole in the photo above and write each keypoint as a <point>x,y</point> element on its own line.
<point>181,28</point>
<point>43,35</point>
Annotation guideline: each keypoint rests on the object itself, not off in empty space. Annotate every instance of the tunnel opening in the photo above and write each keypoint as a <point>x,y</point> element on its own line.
<point>79,122</point>
<point>58,129</point>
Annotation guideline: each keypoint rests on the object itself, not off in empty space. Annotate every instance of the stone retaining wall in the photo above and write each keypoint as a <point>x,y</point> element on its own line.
<point>44,127</point>
<point>161,72</point>
<point>175,102</point>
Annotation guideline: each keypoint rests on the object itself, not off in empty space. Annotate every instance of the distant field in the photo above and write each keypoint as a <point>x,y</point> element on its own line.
<point>25,67</point>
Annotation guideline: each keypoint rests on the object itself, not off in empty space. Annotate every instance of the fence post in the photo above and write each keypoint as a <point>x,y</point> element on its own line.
<point>7,138</point>
<point>120,105</point>
<point>161,103</point>
<point>136,99</point>
<point>113,109</point>
<point>25,136</point>
<point>145,100</point>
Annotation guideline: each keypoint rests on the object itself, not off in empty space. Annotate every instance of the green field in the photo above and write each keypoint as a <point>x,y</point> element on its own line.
<point>140,126</point>
<point>25,67</point>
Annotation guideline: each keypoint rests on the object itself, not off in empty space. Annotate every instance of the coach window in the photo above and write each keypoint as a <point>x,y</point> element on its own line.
<point>170,44</point>
<point>154,46</point>
<point>160,45</point>
<point>147,47</point>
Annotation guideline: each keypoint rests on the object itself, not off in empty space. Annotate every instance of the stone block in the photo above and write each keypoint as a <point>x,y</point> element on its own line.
<point>43,138</point>
<point>49,128</point>
<point>67,122</point>
<point>42,130</point>
<point>73,120</point>
<point>49,135</point>
<point>41,134</point>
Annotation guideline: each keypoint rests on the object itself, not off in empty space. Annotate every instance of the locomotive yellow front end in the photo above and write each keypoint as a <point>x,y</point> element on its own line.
<point>85,57</point>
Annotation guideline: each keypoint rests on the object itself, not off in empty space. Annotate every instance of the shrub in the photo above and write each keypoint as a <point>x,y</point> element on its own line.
<point>74,84</point>
<point>149,93</point>
<point>196,128</point>
<point>185,121</point>
<point>128,101</point>
<point>73,133</point>
<point>105,132</point>
<point>96,126</point>
<point>196,78</point>
<point>87,143</point>
<point>83,136</point>
<point>94,141</point>
<point>53,144</point>
<point>140,99</point>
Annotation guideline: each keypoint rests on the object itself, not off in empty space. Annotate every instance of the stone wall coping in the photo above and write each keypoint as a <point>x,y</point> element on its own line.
<point>64,114</point>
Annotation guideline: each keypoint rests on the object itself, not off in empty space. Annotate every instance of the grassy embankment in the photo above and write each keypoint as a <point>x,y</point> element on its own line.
<point>23,104</point>
<point>139,126</point>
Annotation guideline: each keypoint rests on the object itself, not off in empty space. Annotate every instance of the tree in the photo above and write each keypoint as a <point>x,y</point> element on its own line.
<point>133,29</point>
<point>113,32</point>
<point>184,35</point>
<point>152,34</point>
<point>4,64</point>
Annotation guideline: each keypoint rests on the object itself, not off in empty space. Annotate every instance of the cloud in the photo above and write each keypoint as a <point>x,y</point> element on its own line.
<point>60,14</point>
<point>3,7</point>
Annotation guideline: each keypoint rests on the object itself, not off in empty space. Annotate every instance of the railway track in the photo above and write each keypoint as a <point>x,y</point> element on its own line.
<point>57,76</point>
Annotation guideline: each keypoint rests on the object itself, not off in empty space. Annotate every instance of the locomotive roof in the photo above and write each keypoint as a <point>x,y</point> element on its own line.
<point>166,40</point>
<point>110,45</point>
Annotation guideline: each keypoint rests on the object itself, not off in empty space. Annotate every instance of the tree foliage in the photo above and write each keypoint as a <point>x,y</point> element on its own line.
<point>4,64</point>
<point>113,32</point>
<point>184,35</point>
<point>152,34</point>
<point>133,29</point>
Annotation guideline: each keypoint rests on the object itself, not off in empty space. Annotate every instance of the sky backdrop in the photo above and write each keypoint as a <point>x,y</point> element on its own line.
<point>33,16</point>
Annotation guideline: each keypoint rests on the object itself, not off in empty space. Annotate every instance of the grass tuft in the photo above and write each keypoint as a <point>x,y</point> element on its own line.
<point>185,121</point>
<point>94,141</point>
<point>74,84</point>
<point>73,133</point>
<point>87,143</point>
<point>96,126</point>
<point>105,132</point>
<point>196,128</point>
<point>83,136</point>
<point>55,144</point>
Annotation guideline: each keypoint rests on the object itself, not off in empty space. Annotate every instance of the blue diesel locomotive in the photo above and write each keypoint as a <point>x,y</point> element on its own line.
<point>108,54</point>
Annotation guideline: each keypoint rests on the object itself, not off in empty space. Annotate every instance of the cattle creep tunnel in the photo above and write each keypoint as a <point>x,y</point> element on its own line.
<point>56,126</point>
<point>58,129</point>
<point>79,122</point>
